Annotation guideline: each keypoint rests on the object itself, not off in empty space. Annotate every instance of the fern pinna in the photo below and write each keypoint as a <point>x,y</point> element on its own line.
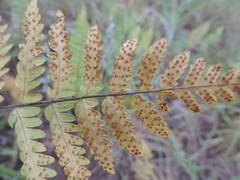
<point>149,65</point>
<point>73,117</point>
<point>88,118</point>
<point>67,145</point>
<point>119,119</point>
<point>22,118</point>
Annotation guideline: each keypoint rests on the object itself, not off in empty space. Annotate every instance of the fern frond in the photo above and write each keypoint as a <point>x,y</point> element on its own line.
<point>192,79</point>
<point>219,87</point>
<point>143,167</point>
<point>149,65</point>
<point>61,58</point>
<point>3,51</point>
<point>91,125</point>
<point>88,118</point>
<point>205,87</point>
<point>231,77</point>
<point>112,105</point>
<point>168,80</point>
<point>91,64</point>
<point>22,119</point>
<point>78,40</point>
<point>17,8</point>
<point>28,67</point>
<point>209,79</point>
<point>67,145</point>
<point>145,109</point>
<point>122,67</point>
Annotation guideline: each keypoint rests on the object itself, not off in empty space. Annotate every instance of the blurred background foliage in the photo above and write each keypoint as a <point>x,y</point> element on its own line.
<point>205,145</point>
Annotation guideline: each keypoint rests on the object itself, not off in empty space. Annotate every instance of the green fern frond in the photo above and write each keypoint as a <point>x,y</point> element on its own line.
<point>22,119</point>
<point>144,163</point>
<point>3,51</point>
<point>78,40</point>
<point>17,8</point>
<point>67,145</point>
<point>88,118</point>
<point>198,33</point>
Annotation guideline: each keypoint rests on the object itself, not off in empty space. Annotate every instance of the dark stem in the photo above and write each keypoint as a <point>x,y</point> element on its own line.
<point>44,103</point>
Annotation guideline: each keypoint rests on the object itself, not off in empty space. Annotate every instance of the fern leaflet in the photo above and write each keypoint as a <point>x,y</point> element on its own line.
<point>204,87</point>
<point>112,105</point>
<point>22,119</point>
<point>88,118</point>
<point>67,145</point>
<point>145,109</point>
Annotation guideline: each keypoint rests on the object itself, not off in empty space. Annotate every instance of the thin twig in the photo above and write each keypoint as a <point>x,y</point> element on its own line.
<point>44,103</point>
